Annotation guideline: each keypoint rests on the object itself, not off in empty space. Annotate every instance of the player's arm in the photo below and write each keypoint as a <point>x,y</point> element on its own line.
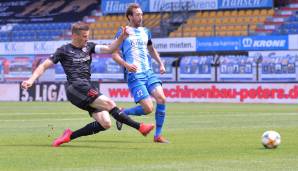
<point>130,67</point>
<point>153,52</point>
<point>114,45</point>
<point>37,73</point>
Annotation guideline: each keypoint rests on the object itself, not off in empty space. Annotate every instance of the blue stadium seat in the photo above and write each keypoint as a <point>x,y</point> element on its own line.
<point>31,33</point>
<point>59,26</point>
<point>286,31</point>
<point>66,26</point>
<point>56,26</point>
<point>295,31</point>
<point>277,32</point>
<point>4,36</point>
<point>16,27</point>
<point>37,31</point>
<point>286,26</point>
<point>38,26</point>
<point>29,27</point>
<point>292,26</point>
<point>293,18</point>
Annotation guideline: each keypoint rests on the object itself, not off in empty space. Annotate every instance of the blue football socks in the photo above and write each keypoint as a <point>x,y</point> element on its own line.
<point>159,118</point>
<point>137,111</point>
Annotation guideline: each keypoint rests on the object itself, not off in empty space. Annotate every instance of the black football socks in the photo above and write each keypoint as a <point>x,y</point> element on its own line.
<point>116,113</point>
<point>89,129</point>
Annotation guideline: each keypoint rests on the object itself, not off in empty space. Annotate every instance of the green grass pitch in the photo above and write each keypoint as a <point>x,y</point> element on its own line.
<point>203,137</point>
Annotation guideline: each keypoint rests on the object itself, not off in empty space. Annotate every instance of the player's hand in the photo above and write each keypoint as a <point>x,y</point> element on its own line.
<point>124,32</point>
<point>26,84</point>
<point>131,67</point>
<point>162,69</point>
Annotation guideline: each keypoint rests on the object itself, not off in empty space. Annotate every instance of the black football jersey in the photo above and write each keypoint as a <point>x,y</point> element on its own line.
<point>76,62</point>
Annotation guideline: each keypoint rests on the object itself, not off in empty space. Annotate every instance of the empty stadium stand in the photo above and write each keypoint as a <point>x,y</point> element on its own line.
<point>31,11</point>
<point>222,23</point>
<point>105,27</point>
<point>39,31</point>
<point>44,21</point>
<point>288,17</point>
<point>41,20</point>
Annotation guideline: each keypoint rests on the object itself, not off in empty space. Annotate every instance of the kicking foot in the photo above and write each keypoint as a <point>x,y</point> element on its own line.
<point>64,138</point>
<point>145,128</point>
<point>160,139</point>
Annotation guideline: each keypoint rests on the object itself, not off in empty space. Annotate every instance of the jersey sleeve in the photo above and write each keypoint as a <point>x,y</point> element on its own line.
<point>149,37</point>
<point>149,34</point>
<point>92,47</point>
<point>117,35</point>
<point>56,57</point>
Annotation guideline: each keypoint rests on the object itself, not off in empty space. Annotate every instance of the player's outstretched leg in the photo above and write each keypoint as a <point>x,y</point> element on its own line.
<point>141,127</point>
<point>68,135</point>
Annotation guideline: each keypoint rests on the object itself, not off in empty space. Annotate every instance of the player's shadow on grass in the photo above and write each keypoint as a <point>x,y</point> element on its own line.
<point>113,141</point>
<point>102,144</point>
<point>76,145</point>
<point>266,149</point>
<point>86,146</point>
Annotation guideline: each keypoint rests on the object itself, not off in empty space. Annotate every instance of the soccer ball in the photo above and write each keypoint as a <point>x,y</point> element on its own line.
<point>271,139</point>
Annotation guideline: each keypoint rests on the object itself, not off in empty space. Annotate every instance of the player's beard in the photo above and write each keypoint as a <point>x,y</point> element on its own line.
<point>138,23</point>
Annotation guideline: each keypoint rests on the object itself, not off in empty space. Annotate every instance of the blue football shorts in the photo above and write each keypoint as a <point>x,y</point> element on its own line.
<point>142,84</point>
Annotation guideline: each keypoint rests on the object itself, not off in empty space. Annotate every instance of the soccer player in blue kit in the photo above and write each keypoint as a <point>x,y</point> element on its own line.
<point>137,50</point>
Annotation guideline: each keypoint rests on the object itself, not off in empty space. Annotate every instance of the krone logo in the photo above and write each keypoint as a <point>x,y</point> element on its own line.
<point>247,42</point>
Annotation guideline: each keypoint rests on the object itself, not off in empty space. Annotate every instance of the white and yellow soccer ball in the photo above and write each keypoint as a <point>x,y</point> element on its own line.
<point>271,139</point>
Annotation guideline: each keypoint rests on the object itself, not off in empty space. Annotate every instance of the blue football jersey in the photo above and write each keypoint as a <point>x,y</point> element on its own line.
<point>134,48</point>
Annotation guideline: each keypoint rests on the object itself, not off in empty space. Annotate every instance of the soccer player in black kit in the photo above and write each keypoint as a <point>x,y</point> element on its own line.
<point>75,58</point>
